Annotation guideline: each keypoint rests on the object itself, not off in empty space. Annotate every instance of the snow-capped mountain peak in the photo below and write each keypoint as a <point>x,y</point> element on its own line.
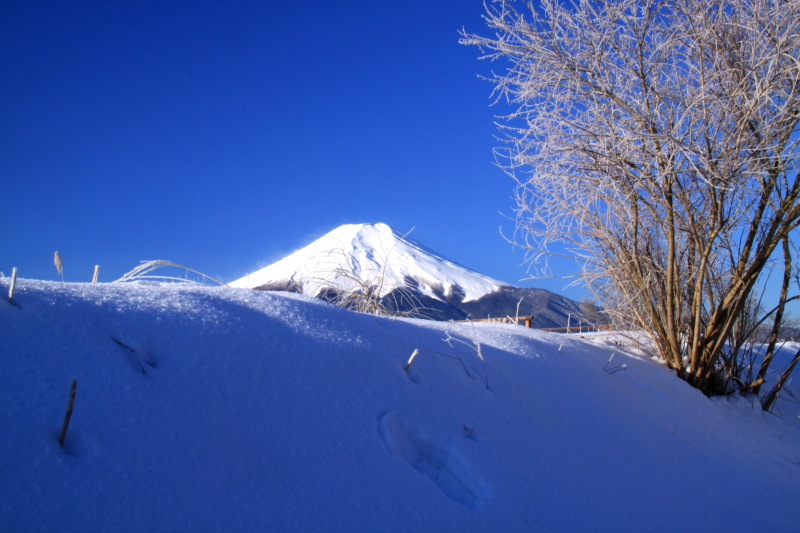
<point>374,255</point>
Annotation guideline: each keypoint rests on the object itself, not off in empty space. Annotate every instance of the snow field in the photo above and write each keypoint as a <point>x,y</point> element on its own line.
<point>238,410</point>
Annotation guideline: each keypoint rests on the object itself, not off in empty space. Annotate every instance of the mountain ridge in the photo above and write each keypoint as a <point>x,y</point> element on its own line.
<point>409,276</point>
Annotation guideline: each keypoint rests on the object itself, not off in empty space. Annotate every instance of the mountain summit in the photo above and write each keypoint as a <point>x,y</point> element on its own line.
<point>376,256</point>
<point>369,252</point>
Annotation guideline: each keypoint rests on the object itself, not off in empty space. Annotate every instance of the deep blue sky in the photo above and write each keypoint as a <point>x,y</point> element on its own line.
<point>221,135</point>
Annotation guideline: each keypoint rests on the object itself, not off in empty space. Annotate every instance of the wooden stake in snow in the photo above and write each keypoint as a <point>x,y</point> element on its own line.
<point>11,287</point>
<point>96,273</point>
<point>411,360</point>
<point>68,414</point>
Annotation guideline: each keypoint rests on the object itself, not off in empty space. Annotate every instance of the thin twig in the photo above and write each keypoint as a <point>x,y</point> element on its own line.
<point>451,357</point>
<point>682,434</point>
<point>787,429</point>
<point>68,414</point>
<point>133,352</point>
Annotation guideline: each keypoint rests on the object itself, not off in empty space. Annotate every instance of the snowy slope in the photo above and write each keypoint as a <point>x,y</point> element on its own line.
<point>236,410</point>
<point>369,251</point>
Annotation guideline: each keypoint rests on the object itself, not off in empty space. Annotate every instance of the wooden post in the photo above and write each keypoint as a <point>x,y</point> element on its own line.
<point>411,360</point>
<point>96,273</point>
<point>528,322</point>
<point>11,287</point>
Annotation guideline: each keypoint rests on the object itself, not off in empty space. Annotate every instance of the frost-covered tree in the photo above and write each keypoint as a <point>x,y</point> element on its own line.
<point>657,142</point>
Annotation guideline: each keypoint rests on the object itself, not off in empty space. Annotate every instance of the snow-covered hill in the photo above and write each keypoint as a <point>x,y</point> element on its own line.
<point>375,253</point>
<point>227,410</point>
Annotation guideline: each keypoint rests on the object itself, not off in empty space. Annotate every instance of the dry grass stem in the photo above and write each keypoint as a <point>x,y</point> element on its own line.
<point>475,346</point>
<point>139,273</point>
<point>365,290</point>
<point>59,265</point>
<point>452,357</point>
<point>68,414</point>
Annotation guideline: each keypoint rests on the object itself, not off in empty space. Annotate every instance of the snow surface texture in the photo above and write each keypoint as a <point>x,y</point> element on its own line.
<point>368,251</point>
<point>221,409</point>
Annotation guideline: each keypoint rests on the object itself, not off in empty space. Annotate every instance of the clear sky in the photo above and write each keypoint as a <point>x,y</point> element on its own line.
<point>225,135</point>
<point>221,135</point>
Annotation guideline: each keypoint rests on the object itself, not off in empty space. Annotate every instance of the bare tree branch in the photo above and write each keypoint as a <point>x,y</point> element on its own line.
<point>656,141</point>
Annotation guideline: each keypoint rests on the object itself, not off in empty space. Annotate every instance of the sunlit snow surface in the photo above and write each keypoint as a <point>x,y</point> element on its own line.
<point>223,409</point>
<point>370,251</point>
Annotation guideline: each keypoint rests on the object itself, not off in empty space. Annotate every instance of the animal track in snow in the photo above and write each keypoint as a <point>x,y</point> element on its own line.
<point>442,464</point>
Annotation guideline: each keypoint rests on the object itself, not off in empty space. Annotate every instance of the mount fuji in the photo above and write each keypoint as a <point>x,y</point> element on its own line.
<point>389,262</point>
